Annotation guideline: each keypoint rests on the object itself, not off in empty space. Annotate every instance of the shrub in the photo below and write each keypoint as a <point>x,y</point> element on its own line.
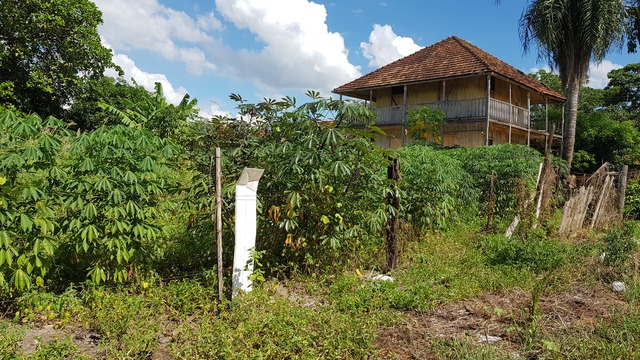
<point>509,162</point>
<point>436,189</point>
<point>620,244</point>
<point>632,199</point>
<point>321,197</point>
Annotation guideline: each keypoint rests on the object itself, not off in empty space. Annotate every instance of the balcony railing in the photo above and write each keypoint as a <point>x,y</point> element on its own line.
<point>462,109</point>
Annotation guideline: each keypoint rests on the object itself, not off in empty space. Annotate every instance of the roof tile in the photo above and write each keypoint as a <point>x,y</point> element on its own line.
<point>451,57</point>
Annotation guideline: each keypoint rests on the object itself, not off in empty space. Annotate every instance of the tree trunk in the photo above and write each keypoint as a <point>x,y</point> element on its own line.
<point>573,90</point>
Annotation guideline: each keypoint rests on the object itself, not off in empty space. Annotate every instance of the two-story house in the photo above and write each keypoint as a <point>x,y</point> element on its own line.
<point>485,100</point>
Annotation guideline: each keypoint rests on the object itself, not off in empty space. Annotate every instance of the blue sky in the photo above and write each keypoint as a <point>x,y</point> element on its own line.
<point>275,48</point>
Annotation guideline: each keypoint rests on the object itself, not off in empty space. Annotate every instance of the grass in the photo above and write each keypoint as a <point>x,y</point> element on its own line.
<point>339,316</point>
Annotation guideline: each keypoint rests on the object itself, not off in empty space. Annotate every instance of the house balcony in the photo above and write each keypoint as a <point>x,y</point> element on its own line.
<point>472,109</point>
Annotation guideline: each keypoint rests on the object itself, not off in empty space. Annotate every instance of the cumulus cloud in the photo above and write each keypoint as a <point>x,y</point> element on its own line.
<point>298,51</point>
<point>385,46</point>
<point>148,25</point>
<point>598,73</point>
<point>145,79</point>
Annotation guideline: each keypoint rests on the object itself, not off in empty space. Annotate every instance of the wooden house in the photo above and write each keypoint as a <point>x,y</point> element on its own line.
<point>485,100</point>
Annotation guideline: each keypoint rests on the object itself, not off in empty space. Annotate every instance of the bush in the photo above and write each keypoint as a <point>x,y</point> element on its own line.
<point>436,189</point>
<point>632,199</point>
<point>321,197</point>
<point>511,163</point>
<point>620,244</point>
<point>537,253</point>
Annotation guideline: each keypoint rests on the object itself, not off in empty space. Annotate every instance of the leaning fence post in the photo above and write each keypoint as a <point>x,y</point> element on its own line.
<point>246,224</point>
<point>622,188</point>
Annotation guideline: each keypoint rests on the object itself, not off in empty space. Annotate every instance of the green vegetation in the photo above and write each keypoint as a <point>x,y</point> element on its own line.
<point>107,238</point>
<point>50,49</point>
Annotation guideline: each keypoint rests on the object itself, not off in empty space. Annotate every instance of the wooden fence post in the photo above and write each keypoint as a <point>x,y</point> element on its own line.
<point>393,209</point>
<point>219,222</point>
<point>622,188</point>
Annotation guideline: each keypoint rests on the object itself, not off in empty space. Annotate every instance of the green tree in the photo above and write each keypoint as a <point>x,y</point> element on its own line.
<point>87,114</point>
<point>623,91</point>
<point>606,139</point>
<point>633,25</point>
<point>154,113</point>
<point>48,49</point>
<point>568,35</point>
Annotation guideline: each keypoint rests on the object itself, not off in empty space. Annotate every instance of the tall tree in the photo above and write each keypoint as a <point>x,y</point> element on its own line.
<point>568,35</point>
<point>48,49</point>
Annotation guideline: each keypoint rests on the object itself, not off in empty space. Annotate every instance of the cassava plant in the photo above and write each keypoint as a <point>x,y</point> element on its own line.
<point>117,181</point>
<point>28,176</point>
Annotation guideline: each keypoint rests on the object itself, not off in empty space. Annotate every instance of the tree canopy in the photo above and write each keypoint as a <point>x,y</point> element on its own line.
<point>48,50</point>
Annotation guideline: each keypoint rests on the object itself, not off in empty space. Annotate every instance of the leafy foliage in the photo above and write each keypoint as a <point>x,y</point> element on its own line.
<point>321,195</point>
<point>537,253</point>
<point>28,149</point>
<point>116,180</point>
<point>425,123</point>
<point>607,140</point>
<point>632,199</point>
<point>153,113</point>
<point>85,111</point>
<point>510,163</point>
<point>98,193</point>
<point>436,187</point>
<point>49,49</point>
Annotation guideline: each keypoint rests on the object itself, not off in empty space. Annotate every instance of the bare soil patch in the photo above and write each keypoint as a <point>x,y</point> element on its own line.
<point>487,319</point>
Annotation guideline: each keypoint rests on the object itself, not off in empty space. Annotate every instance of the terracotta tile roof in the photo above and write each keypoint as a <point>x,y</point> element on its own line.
<point>451,57</point>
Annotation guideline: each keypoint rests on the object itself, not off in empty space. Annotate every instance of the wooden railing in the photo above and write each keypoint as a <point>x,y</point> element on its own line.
<point>461,109</point>
<point>508,113</point>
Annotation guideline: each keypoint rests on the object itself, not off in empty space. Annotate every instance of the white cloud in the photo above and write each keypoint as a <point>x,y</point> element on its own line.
<point>546,68</point>
<point>295,52</point>
<point>385,46</point>
<point>145,24</point>
<point>213,109</point>
<point>145,79</point>
<point>299,51</point>
<point>598,73</point>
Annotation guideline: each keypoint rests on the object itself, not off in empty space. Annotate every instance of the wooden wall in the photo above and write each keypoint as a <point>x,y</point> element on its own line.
<point>464,133</point>
<point>424,93</point>
<point>466,88</point>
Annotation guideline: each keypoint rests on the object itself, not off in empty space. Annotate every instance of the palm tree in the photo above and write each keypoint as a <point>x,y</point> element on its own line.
<point>568,35</point>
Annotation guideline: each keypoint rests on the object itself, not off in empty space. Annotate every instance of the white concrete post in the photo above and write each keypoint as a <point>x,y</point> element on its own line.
<point>246,223</point>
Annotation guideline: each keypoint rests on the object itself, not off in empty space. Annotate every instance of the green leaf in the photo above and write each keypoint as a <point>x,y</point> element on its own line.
<point>20,280</point>
<point>25,222</point>
<point>90,211</point>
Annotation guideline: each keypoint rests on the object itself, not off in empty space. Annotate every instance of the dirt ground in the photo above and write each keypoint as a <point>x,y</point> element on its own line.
<point>486,319</point>
<point>489,319</point>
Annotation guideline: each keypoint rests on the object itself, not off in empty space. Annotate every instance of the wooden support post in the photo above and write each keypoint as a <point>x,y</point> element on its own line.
<point>219,223</point>
<point>404,112</point>
<point>529,119</point>
<point>442,98</point>
<point>562,132</point>
<point>393,208</point>
<point>511,107</point>
<point>622,188</point>
<point>486,135</point>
